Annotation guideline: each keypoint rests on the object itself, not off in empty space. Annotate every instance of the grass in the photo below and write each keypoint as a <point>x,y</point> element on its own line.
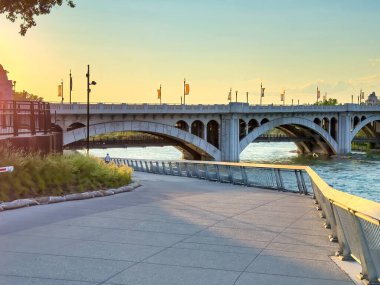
<point>54,175</point>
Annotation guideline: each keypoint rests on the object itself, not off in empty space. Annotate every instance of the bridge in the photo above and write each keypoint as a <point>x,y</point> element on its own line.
<point>222,132</point>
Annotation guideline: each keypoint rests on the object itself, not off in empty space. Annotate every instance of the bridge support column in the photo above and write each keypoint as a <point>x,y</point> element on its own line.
<point>344,133</point>
<point>229,138</point>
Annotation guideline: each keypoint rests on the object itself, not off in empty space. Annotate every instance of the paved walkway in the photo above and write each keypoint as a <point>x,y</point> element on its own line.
<point>171,230</point>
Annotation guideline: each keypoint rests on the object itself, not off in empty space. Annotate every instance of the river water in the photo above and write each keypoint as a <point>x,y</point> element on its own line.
<point>358,174</point>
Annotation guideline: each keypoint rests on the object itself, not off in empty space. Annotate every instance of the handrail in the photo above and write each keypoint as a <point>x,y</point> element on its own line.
<point>354,221</point>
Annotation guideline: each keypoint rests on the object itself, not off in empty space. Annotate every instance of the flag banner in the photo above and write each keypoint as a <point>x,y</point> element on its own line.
<point>318,93</point>
<point>229,96</point>
<point>361,94</point>
<point>187,89</point>
<point>158,93</point>
<point>262,92</point>
<point>60,90</point>
<point>282,97</point>
<point>71,83</point>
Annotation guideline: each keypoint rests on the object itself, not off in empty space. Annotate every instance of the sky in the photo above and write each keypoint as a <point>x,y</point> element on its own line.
<point>133,46</point>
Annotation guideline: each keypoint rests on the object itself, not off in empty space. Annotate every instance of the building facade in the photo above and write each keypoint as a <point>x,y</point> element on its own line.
<point>5,85</point>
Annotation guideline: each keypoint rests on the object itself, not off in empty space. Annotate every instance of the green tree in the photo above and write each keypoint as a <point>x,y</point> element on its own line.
<point>26,10</point>
<point>26,96</point>
<point>329,102</point>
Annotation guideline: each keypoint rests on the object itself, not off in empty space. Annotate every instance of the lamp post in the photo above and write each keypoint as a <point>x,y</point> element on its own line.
<point>88,107</point>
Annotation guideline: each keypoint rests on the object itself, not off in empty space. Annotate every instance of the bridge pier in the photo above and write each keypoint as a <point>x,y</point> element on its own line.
<point>229,138</point>
<point>344,134</point>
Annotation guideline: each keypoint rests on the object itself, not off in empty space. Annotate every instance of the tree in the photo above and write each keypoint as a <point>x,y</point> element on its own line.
<point>329,102</point>
<point>26,10</point>
<point>26,96</point>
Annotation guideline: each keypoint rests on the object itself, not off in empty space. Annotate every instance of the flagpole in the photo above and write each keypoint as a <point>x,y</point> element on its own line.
<point>71,85</point>
<point>236,92</point>
<point>318,94</point>
<point>184,91</point>
<point>62,89</point>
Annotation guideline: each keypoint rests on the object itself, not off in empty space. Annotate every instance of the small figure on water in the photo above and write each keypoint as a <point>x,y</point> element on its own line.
<point>107,159</point>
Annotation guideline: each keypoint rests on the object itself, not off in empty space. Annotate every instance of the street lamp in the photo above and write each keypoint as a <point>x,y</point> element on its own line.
<point>88,107</point>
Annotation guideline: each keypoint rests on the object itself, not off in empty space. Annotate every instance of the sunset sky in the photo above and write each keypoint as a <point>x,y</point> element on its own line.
<point>133,46</point>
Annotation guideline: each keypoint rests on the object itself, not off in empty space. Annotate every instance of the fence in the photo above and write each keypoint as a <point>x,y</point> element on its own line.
<point>24,117</point>
<point>354,221</point>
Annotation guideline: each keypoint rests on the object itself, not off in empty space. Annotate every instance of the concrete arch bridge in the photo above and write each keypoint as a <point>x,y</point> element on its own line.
<point>222,132</point>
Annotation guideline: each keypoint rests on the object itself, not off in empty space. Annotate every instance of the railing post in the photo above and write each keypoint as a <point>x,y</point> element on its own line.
<point>171,168</point>
<point>141,166</point>
<point>45,118</point>
<point>207,175</point>
<point>158,168</point>
<point>244,175</point>
<point>164,168</point>
<point>196,171</point>
<point>230,175</point>
<point>279,182</point>
<point>217,172</point>
<point>151,167</point>
<point>32,121</point>
<point>15,119</point>
<point>299,184</point>
<point>344,248</point>
<point>303,183</point>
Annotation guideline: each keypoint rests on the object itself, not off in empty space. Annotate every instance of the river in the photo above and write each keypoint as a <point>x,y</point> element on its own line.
<point>358,174</point>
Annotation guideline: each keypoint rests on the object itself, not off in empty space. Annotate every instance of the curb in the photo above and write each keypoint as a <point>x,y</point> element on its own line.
<point>21,203</point>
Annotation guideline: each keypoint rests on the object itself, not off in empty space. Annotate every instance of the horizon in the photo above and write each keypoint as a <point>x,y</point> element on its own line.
<point>134,47</point>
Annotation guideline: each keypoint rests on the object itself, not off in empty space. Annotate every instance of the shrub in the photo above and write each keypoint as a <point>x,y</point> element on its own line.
<point>36,175</point>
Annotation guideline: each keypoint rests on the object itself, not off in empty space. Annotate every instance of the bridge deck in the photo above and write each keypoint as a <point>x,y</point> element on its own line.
<point>172,230</point>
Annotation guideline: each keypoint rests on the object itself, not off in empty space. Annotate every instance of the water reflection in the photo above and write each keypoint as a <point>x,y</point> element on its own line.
<point>357,174</point>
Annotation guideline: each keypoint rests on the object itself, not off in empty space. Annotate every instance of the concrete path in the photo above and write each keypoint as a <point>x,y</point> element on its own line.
<point>171,230</point>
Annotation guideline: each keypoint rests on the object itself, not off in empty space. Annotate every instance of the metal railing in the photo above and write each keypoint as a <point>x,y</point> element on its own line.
<point>24,117</point>
<point>354,221</point>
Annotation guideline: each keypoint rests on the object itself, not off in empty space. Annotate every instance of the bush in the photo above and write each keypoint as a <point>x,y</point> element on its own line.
<point>50,175</point>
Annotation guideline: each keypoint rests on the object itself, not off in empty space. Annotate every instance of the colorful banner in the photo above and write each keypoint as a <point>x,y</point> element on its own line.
<point>187,89</point>
<point>59,90</point>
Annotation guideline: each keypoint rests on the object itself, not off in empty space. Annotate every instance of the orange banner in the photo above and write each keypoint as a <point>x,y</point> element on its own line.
<point>187,89</point>
<point>60,90</point>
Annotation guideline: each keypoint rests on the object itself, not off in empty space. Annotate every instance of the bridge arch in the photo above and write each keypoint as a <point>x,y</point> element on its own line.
<point>189,142</point>
<point>363,124</point>
<point>326,144</point>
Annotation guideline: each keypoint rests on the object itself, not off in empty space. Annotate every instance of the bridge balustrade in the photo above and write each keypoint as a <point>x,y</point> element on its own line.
<point>24,118</point>
<point>354,221</point>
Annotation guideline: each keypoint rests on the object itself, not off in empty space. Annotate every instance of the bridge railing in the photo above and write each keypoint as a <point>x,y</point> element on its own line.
<point>292,178</point>
<point>354,221</point>
<point>24,118</point>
